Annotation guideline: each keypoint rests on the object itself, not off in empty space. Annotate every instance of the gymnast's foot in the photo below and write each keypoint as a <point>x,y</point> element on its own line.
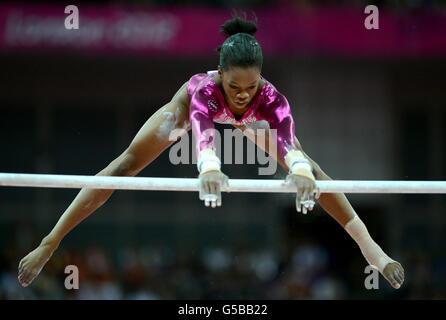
<point>31,265</point>
<point>394,273</point>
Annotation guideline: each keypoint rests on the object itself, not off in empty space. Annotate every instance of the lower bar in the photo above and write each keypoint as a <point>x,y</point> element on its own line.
<point>235,185</point>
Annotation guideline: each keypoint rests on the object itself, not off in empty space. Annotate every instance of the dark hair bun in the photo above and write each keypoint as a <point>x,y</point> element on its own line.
<point>240,49</point>
<point>239,24</point>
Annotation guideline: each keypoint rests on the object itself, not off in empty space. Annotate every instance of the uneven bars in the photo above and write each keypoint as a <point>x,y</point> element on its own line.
<point>235,185</point>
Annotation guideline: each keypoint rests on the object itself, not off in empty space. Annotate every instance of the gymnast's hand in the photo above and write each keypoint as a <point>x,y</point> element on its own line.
<point>307,192</point>
<point>301,176</point>
<point>211,185</point>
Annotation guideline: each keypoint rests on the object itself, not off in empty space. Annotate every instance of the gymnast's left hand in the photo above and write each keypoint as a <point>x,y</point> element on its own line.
<point>307,192</point>
<point>211,185</point>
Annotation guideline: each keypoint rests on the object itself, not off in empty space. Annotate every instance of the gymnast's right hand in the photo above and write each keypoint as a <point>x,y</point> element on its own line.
<point>211,185</point>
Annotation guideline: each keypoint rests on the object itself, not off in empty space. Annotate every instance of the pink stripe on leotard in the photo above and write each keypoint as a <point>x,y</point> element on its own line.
<point>207,105</point>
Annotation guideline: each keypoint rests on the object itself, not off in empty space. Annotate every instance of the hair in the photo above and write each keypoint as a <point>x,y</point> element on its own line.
<point>240,49</point>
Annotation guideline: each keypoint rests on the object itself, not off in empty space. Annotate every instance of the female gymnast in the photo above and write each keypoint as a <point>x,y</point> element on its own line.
<point>236,94</point>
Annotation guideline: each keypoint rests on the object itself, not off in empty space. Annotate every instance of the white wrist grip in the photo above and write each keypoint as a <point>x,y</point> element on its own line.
<point>300,165</point>
<point>209,165</point>
<point>208,161</point>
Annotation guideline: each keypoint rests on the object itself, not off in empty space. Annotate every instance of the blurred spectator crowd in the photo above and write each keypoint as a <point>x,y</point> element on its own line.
<point>158,273</point>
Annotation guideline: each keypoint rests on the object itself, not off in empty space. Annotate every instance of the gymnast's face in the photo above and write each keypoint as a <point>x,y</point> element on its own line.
<point>240,85</point>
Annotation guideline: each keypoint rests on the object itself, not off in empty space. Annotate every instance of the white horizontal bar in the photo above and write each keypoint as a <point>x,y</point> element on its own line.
<point>235,185</point>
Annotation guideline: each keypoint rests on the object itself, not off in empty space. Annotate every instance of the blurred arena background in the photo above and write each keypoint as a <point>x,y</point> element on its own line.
<point>368,105</point>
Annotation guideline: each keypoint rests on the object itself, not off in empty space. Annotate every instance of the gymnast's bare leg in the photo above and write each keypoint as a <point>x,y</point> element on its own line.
<point>150,141</point>
<point>339,208</point>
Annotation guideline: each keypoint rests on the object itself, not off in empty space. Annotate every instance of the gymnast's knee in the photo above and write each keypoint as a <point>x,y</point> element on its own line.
<point>124,165</point>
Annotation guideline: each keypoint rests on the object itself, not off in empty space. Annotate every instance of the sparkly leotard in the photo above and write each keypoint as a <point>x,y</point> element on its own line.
<point>207,105</point>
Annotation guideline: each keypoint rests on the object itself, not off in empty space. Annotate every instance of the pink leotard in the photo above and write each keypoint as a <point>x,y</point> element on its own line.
<point>207,105</point>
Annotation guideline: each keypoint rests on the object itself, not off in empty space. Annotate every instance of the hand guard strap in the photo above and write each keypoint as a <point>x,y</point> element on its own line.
<point>208,161</point>
<point>299,165</point>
